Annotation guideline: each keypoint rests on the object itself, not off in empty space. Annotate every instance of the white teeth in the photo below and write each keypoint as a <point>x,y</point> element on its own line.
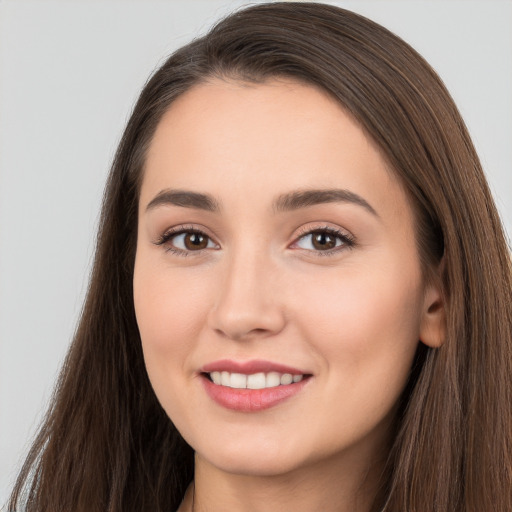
<point>225,379</point>
<point>286,378</point>
<point>273,379</point>
<point>238,381</point>
<point>254,381</point>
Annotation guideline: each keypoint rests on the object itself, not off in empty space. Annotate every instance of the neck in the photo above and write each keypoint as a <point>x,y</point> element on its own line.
<point>330,486</point>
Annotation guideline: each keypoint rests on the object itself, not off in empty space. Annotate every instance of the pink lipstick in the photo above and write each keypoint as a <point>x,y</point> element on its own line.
<point>250,386</point>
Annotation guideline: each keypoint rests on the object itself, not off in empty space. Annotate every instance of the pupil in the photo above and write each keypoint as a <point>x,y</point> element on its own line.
<point>323,241</point>
<point>195,241</point>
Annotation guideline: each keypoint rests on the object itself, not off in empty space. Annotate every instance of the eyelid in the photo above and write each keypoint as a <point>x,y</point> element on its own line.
<point>175,231</point>
<point>348,240</point>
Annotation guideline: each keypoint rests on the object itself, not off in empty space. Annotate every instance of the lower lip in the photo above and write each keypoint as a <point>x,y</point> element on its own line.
<point>251,400</point>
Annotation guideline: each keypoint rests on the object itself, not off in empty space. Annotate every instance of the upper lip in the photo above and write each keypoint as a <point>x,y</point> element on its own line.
<point>249,367</point>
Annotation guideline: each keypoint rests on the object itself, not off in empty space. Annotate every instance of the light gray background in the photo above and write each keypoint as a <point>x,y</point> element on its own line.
<point>69,74</point>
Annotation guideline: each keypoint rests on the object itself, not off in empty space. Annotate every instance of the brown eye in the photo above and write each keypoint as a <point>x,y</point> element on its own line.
<point>328,241</point>
<point>183,242</point>
<point>195,241</point>
<point>323,240</point>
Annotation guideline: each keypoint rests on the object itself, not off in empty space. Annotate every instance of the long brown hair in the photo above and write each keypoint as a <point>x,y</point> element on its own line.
<point>107,445</point>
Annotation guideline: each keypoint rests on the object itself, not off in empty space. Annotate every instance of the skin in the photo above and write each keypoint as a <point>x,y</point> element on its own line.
<point>352,318</point>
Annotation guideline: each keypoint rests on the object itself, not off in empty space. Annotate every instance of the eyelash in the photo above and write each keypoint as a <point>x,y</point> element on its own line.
<point>174,232</point>
<point>347,240</point>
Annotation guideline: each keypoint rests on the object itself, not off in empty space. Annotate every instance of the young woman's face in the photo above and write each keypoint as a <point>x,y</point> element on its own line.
<point>276,251</point>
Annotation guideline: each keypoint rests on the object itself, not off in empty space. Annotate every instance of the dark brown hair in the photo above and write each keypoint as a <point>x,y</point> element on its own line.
<point>107,445</point>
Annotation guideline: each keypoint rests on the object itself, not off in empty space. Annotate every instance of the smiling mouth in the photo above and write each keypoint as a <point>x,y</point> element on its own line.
<point>254,392</point>
<point>258,380</point>
<point>252,385</point>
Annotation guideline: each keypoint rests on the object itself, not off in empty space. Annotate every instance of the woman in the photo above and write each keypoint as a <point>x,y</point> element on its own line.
<point>301,293</point>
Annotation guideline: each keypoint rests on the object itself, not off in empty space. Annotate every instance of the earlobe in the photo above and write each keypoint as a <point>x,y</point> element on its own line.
<point>433,321</point>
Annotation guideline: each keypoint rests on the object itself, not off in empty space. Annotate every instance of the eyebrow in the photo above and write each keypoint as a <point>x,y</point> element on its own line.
<point>185,199</point>
<point>304,198</point>
<point>283,203</point>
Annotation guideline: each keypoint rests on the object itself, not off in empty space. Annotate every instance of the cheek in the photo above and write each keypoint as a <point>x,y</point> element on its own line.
<point>169,307</point>
<point>366,336</point>
<point>167,303</point>
<point>369,326</point>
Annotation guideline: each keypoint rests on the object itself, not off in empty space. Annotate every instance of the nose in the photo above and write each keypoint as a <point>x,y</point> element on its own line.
<point>248,303</point>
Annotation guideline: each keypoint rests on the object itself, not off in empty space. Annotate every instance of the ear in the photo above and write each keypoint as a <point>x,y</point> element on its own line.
<point>433,320</point>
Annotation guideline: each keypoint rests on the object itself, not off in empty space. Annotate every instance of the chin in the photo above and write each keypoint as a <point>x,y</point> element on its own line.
<point>267,465</point>
<point>254,457</point>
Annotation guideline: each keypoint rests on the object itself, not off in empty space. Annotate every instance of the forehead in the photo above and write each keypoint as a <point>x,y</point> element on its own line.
<point>234,140</point>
